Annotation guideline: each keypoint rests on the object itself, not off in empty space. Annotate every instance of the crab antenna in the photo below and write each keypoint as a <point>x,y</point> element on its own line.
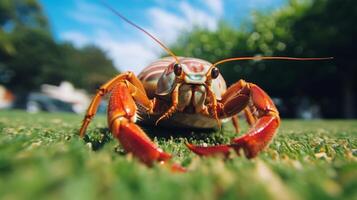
<point>141,29</point>
<point>267,58</point>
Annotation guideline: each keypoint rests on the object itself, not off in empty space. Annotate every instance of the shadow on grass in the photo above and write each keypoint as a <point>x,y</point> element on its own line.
<point>100,136</point>
<point>167,133</point>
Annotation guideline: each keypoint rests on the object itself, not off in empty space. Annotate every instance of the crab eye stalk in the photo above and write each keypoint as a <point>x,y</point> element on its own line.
<point>177,69</point>
<point>214,72</point>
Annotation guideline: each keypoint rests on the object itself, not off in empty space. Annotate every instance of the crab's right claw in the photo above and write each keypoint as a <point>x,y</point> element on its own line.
<point>251,143</point>
<point>262,130</point>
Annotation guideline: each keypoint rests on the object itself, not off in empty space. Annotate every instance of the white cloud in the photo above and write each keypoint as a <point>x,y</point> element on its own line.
<point>168,25</point>
<point>83,18</point>
<point>216,6</point>
<point>198,17</point>
<point>165,25</point>
<point>89,13</point>
<point>79,39</point>
<point>127,55</point>
<point>135,53</point>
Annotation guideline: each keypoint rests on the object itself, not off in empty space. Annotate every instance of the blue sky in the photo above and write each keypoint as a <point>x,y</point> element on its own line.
<point>86,22</point>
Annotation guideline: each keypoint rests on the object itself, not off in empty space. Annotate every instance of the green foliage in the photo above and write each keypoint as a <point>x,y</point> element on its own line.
<point>87,67</point>
<point>202,43</point>
<point>17,16</point>
<point>35,61</point>
<point>302,28</point>
<point>31,57</point>
<point>19,13</point>
<point>39,59</point>
<point>41,156</point>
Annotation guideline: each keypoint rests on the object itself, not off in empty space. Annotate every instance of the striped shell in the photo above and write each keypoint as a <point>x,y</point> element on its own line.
<point>158,78</point>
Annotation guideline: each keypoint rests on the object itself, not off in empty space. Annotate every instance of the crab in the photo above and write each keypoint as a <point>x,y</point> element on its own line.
<point>191,94</point>
<point>185,92</point>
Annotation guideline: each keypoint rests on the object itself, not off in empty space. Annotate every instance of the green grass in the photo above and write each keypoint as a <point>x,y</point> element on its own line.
<point>42,157</point>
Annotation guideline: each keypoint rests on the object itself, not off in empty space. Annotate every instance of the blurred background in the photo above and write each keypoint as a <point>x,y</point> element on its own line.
<point>53,55</point>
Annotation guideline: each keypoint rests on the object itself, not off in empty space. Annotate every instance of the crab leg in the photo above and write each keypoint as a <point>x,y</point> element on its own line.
<point>260,133</point>
<point>235,123</point>
<point>105,89</point>
<point>251,119</point>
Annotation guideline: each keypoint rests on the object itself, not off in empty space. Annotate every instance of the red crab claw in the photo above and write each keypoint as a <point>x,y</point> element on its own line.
<point>126,90</point>
<point>264,120</point>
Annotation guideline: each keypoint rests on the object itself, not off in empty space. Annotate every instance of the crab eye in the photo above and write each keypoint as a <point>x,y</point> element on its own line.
<point>177,69</point>
<point>214,72</point>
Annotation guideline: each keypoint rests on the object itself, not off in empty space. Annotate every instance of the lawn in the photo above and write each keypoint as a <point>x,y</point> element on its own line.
<point>42,157</point>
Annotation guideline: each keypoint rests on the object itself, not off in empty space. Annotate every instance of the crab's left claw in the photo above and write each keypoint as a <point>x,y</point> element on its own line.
<point>264,121</point>
<point>211,150</point>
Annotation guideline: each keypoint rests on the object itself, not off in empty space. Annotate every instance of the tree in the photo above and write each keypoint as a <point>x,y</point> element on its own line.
<point>300,29</point>
<point>315,29</point>
<point>37,61</point>
<point>31,57</point>
<point>17,15</point>
<point>328,28</point>
<point>88,67</point>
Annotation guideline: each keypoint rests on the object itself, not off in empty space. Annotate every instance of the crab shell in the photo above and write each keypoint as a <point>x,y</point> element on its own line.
<point>159,78</point>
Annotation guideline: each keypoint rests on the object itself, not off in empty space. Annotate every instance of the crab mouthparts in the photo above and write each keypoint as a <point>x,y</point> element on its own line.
<point>192,95</point>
